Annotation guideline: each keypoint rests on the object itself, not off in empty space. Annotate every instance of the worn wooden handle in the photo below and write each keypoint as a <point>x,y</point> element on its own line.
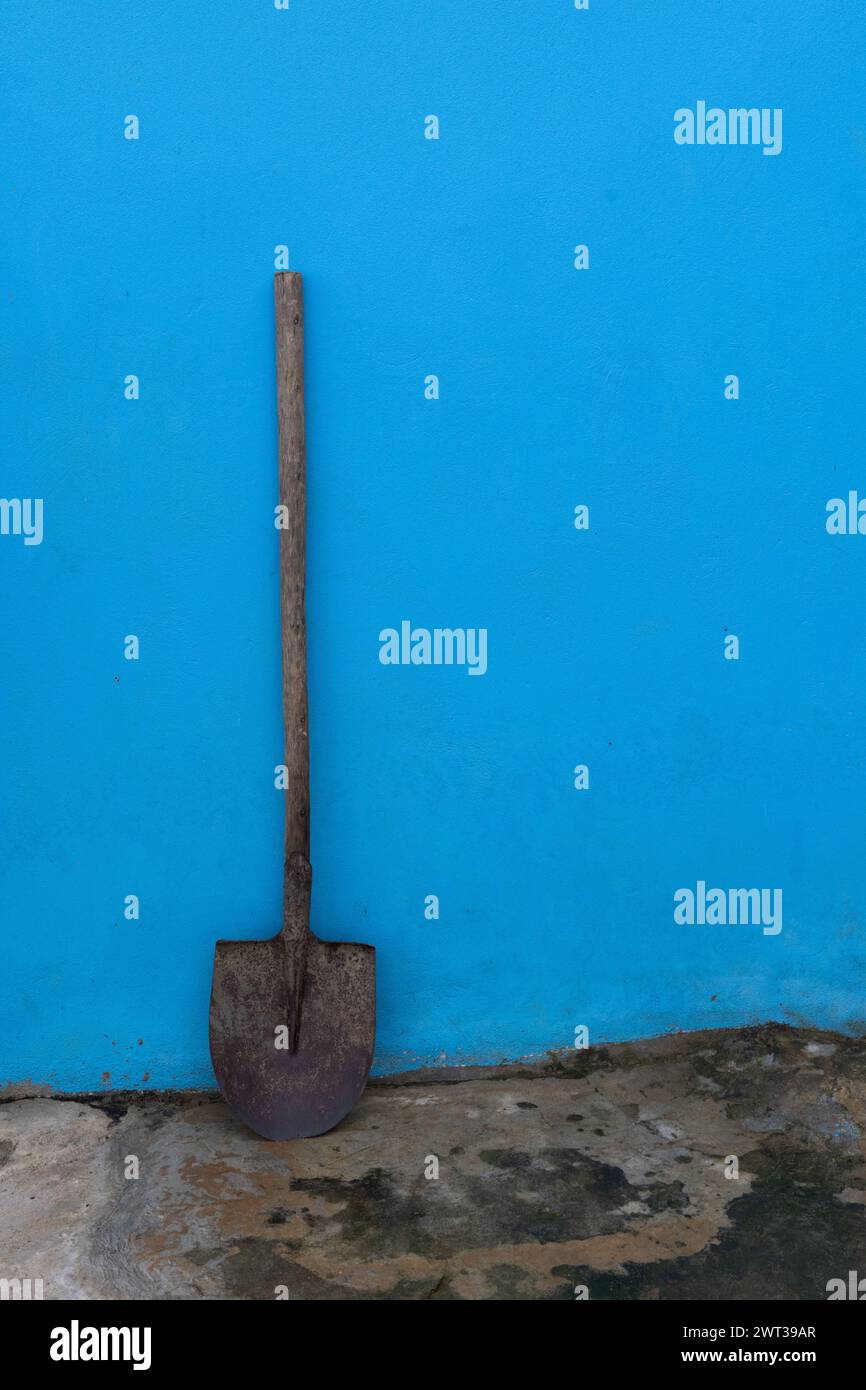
<point>297,877</point>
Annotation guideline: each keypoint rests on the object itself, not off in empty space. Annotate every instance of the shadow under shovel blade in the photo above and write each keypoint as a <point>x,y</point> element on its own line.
<point>280,1094</point>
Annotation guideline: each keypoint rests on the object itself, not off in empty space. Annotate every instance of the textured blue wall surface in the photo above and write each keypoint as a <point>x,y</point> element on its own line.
<point>558,387</point>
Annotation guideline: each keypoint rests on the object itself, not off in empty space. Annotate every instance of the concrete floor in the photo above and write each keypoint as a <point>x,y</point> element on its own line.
<point>603,1168</point>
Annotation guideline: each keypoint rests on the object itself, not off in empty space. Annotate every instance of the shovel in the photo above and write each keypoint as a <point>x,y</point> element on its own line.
<point>292,1019</point>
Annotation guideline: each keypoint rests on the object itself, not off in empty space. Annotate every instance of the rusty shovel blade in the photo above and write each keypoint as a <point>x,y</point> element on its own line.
<point>279,1093</point>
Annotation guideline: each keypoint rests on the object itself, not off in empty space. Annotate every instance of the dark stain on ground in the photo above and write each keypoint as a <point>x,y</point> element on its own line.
<point>666,1196</point>
<point>508,1281</point>
<point>267,1269</point>
<point>111,1106</point>
<point>788,1237</point>
<point>549,1196</point>
<point>373,1212</point>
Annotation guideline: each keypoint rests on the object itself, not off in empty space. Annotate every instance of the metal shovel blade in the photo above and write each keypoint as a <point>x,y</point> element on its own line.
<point>279,1093</point>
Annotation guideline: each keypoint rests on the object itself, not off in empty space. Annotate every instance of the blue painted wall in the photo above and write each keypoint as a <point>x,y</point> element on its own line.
<point>605,386</point>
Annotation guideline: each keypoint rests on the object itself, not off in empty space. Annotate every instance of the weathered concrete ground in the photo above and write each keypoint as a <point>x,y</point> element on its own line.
<point>603,1168</point>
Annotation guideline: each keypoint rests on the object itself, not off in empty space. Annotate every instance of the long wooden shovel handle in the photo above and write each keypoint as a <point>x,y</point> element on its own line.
<point>297,875</point>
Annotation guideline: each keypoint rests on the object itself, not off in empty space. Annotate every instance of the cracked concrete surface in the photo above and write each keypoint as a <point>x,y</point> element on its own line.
<point>604,1169</point>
